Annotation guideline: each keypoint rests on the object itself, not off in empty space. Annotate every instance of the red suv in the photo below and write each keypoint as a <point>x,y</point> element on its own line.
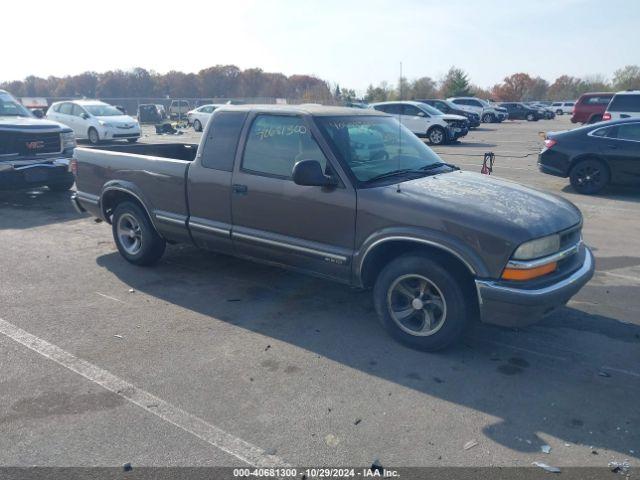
<point>590,107</point>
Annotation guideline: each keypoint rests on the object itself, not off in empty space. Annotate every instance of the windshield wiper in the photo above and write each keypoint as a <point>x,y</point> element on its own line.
<point>392,173</point>
<point>438,164</point>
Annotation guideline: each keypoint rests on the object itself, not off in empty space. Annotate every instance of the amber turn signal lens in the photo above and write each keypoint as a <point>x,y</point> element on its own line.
<point>530,273</point>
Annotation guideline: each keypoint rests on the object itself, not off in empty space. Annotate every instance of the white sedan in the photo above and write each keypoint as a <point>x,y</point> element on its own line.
<point>198,117</point>
<point>95,120</point>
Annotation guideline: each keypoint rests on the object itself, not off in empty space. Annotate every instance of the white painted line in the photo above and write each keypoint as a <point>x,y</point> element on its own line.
<point>197,427</point>
<point>110,298</point>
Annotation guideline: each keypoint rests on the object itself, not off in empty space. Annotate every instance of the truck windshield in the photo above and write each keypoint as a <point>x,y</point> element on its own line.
<point>102,110</point>
<point>9,107</point>
<point>376,147</point>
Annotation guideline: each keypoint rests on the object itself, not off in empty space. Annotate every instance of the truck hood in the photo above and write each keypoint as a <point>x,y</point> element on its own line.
<point>504,209</point>
<point>30,123</point>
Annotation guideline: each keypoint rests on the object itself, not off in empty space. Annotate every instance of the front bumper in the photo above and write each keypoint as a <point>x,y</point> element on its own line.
<point>115,133</point>
<point>516,307</point>
<point>31,174</point>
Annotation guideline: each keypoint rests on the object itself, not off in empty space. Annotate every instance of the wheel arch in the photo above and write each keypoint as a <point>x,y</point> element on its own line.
<point>589,156</point>
<point>115,193</point>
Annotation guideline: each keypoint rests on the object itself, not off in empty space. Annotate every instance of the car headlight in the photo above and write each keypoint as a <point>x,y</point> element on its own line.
<point>540,247</point>
<point>105,124</point>
<point>68,140</point>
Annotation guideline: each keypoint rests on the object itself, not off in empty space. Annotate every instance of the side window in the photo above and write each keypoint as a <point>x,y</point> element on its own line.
<point>625,103</point>
<point>219,149</point>
<point>276,142</point>
<point>443,107</point>
<point>77,110</point>
<point>66,108</point>
<point>629,131</point>
<point>557,104</point>
<point>412,111</point>
<point>475,103</point>
<point>602,132</point>
<point>569,104</point>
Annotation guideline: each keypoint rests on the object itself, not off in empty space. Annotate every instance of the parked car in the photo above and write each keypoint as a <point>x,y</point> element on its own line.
<point>95,121</point>
<point>520,111</point>
<point>33,152</point>
<point>424,120</point>
<point>590,107</point>
<point>488,113</point>
<point>623,105</point>
<point>544,111</point>
<point>200,116</point>
<point>178,109</point>
<point>294,186</point>
<point>151,113</point>
<point>445,106</point>
<point>560,108</point>
<point>594,156</point>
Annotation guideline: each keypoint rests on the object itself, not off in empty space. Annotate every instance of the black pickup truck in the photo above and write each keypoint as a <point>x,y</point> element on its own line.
<point>351,195</point>
<point>33,152</point>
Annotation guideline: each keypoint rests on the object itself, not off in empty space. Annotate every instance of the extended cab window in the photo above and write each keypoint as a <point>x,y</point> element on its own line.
<point>219,150</point>
<point>276,142</point>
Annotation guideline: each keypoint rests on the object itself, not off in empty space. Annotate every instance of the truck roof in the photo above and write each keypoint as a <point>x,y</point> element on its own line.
<point>309,109</point>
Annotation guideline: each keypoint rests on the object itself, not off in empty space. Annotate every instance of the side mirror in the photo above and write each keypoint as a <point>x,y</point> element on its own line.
<point>84,115</point>
<point>309,173</point>
<point>38,113</point>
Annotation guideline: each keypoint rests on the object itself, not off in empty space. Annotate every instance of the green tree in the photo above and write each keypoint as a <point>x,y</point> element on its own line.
<point>627,78</point>
<point>455,83</point>
<point>424,87</point>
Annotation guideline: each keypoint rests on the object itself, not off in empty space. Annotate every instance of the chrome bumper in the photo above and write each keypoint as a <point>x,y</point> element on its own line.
<point>512,307</point>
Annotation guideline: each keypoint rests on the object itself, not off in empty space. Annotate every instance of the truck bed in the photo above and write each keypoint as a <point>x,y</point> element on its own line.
<point>156,173</point>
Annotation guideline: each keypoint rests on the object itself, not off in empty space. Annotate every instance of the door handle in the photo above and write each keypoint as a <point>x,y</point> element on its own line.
<point>239,189</point>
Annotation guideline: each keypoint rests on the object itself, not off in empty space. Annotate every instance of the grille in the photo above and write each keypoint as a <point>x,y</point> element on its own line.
<point>457,123</point>
<point>29,143</point>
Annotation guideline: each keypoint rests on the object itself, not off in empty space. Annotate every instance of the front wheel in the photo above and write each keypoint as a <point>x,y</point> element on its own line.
<point>488,118</point>
<point>197,126</point>
<point>437,136</point>
<point>420,303</point>
<point>589,176</point>
<point>94,137</point>
<point>559,112</point>
<point>136,238</point>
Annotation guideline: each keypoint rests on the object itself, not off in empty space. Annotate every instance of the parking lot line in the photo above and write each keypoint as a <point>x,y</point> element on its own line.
<point>199,428</point>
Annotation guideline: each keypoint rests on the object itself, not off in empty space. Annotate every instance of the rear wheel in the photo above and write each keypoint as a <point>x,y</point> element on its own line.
<point>595,119</point>
<point>197,126</point>
<point>94,137</point>
<point>136,238</point>
<point>420,303</point>
<point>437,136</point>
<point>589,176</point>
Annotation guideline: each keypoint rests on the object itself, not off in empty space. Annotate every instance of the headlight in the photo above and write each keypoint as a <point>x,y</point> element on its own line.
<point>540,247</point>
<point>105,124</point>
<point>68,140</point>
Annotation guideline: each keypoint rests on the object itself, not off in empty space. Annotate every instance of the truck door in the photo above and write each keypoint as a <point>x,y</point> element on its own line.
<point>209,182</point>
<point>274,219</point>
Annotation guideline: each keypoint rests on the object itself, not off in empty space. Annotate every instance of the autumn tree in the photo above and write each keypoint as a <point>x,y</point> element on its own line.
<point>627,78</point>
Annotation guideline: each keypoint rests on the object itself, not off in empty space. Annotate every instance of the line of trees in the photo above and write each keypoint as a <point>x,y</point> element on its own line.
<point>229,81</point>
<point>220,81</point>
<point>514,88</point>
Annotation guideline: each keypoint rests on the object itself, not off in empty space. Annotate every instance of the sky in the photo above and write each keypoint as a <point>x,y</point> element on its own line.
<point>353,43</point>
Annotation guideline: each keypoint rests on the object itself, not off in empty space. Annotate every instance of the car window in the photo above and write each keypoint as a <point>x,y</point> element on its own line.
<point>412,111</point>
<point>557,104</point>
<point>629,131</point>
<point>391,108</point>
<point>219,148</point>
<point>597,100</point>
<point>474,103</point>
<point>569,104</point>
<point>56,108</point>
<point>66,108</point>
<point>625,103</point>
<point>443,107</point>
<point>77,110</point>
<point>276,142</point>
<point>602,132</point>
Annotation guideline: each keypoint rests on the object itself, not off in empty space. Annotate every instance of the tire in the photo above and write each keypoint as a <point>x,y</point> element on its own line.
<point>132,140</point>
<point>531,117</point>
<point>488,118</point>
<point>197,126</point>
<point>559,112</point>
<point>595,119</point>
<point>62,186</point>
<point>437,136</point>
<point>405,319</point>
<point>93,136</point>
<point>589,176</point>
<point>142,245</point>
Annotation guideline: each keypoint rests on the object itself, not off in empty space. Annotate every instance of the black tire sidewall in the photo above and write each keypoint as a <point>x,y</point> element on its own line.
<point>589,191</point>
<point>152,244</point>
<point>457,305</point>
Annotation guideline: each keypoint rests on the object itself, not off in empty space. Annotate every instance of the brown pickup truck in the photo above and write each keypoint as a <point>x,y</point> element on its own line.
<point>351,195</point>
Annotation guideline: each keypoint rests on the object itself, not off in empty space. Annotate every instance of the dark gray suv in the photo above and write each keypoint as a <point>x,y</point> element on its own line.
<point>350,195</point>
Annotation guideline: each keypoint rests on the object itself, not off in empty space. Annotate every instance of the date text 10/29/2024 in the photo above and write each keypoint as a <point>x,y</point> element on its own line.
<point>372,472</point>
